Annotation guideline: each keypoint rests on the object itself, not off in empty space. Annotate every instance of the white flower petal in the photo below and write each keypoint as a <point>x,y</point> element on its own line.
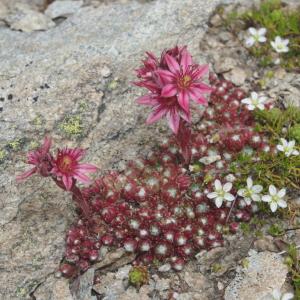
<point>241,192</point>
<point>291,144</point>
<point>251,107</point>
<point>212,195</point>
<point>246,101</point>
<point>252,30</point>
<point>295,152</point>
<point>281,193</point>
<point>250,41</point>
<point>276,294</point>
<point>257,188</point>
<point>254,96</point>
<point>262,39</point>
<point>256,197</point>
<point>219,202</point>
<point>227,186</point>
<point>261,106</point>
<point>272,190</point>
<point>266,198</point>
<point>229,197</point>
<point>273,206</point>
<point>284,142</point>
<point>248,200</point>
<point>280,148</point>
<point>218,185</point>
<point>262,31</point>
<point>287,296</point>
<point>282,203</point>
<point>249,182</point>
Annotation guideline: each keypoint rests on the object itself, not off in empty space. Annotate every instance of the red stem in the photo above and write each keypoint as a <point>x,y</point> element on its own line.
<point>184,140</point>
<point>77,197</point>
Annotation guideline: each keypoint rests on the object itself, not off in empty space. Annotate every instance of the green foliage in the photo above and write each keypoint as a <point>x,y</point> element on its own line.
<point>271,167</point>
<point>138,275</point>
<point>276,230</point>
<point>72,125</point>
<point>293,262</point>
<point>279,22</point>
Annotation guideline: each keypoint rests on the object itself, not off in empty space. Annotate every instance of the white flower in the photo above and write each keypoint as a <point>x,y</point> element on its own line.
<point>277,295</point>
<point>221,193</point>
<point>251,192</point>
<point>280,45</point>
<point>256,36</point>
<point>275,198</point>
<point>255,101</point>
<point>287,147</point>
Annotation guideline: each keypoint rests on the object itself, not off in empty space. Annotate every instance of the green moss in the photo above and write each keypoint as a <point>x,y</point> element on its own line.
<point>112,85</point>
<point>138,275</point>
<point>294,132</point>
<point>15,145</point>
<point>38,121</point>
<point>72,125</point>
<point>276,230</point>
<point>273,168</point>
<point>3,155</point>
<point>278,21</point>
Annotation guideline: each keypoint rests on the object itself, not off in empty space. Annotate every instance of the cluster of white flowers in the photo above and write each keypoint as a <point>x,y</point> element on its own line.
<point>280,45</point>
<point>250,193</point>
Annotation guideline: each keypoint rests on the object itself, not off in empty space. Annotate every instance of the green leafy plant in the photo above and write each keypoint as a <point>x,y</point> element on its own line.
<point>279,21</point>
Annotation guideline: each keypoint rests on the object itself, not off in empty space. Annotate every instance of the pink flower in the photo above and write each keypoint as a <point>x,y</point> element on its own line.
<point>183,80</point>
<point>172,81</point>
<point>41,159</point>
<point>66,165</point>
<point>168,107</point>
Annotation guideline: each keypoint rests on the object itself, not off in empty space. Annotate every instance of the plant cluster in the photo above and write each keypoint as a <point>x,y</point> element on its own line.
<point>183,196</point>
<point>273,33</point>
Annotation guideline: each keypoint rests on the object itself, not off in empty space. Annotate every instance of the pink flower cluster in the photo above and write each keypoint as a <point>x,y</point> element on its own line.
<point>159,210</point>
<point>64,168</point>
<point>172,81</point>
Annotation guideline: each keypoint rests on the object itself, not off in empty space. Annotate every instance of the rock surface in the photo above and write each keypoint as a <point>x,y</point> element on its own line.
<point>262,273</point>
<point>53,82</point>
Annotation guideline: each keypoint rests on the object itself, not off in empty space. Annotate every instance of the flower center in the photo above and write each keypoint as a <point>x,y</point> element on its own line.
<point>65,164</point>
<point>185,81</point>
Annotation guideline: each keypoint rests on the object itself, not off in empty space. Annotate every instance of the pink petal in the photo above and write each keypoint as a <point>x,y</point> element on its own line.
<point>151,86</point>
<point>172,63</point>
<point>202,87</point>
<point>186,60</point>
<point>86,168</point>
<point>26,174</point>
<point>147,100</point>
<point>157,114</point>
<point>165,76</point>
<point>183,100</point>
<point>82,177</point>
<point>197,96</point>
<point>185,116</point>
<point>68,182</point>
<point>169,90</point>
<point>200,71</point>
<point>173,120</point>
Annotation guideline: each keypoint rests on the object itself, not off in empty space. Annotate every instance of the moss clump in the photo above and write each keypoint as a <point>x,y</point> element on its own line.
<point>138,276</point>
<point>276,230</point>
<point>14,145</point>
<point>293,263</point>
<point>278,21</point>
<point>3,155</point>
<point>294,132</point>
<point>271,167</point>
<point>72,125</point>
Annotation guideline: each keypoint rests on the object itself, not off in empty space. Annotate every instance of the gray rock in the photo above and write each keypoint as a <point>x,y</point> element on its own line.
<point>22,17</point>
<point>236,75</point>
<point>262,273</point>
<point>225,64</point>
<point>50,82</point>
<point>82,285</point>
<point>63,8</point>
<point>53,289</point>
